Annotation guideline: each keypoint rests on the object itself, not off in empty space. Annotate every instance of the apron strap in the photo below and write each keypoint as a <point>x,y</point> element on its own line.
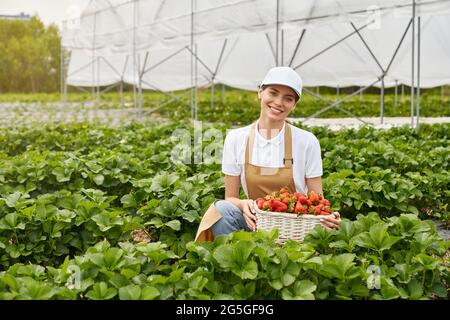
<point>288,161</point>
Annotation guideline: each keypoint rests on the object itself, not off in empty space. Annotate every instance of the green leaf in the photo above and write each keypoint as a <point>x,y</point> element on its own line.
<point>377,238</point>
<point>132,200</point>
<point>62,174</point>
<point>35,290</point>
<point>149,293</point>
<point>415,289</point>
<point>340,266</point>
<point>174,224</point>
<point>130,292</point>
<point>235,257</point>
<point>426,261</point>
<point>290,274</point>
<point>388,289</point>
<point>249,271</point>
<point>100,291</point>
<point>11,222</point>
<point>245,291</point>
<point>301,290</point>
<point>18,200</point>
<point>190,215</point>
<point>99,179</point>
<point>163,181</point>
<point>10,281</point>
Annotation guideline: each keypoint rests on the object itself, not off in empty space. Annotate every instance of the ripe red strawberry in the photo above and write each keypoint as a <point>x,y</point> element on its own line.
<point>260,203</point>
<point>299,195</point>
<point>313,197</point>
<point>299,208</point>
<point>267,205</point>
<point>279,206</point>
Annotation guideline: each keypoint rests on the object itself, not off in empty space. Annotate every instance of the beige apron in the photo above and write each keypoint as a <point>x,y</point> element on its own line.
<point>260,181</point>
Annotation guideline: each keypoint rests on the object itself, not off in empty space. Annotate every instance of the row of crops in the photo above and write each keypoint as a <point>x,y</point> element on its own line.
<point>233,107</point>
<point>97,212</point>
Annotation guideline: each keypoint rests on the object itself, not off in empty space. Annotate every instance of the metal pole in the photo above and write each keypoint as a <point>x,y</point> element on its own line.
<point>412,62</point>
<point>93,56</point>
<point>333,105</point>
<point>197,59</point>
<point>368,48</point>
<point>98,79</point>
<point>330,46</point>
<point>212,94</point>
<point>139,89</point>
<point>65,87</point>
<point>121,92</point>
<point>215,73</point>
<point>134,54</point>
<point>395,95</point>
<point>282,47</point>
<point>296,47</point>
<point>196,81</point>
<point>110,87</point>
<point>61,74</point>
<point>317,96</point>
<point>165,93</point>
<point>121,80</point>
<point>277,32</point>
<point>192,63</point>
<point>141,76</point>
<point>382,101</point>
<point>418,74</point>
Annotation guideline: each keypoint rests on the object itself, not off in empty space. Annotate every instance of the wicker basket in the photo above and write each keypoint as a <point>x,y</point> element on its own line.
<point>291,226</point>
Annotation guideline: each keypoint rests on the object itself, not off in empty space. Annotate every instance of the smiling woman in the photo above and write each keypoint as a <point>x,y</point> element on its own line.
<point>264,157</point>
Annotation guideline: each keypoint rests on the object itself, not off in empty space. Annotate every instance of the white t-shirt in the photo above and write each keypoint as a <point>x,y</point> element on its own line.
<point>270,153</point>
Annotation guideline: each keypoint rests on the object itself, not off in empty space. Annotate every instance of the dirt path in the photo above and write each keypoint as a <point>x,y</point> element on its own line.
<point>340,123</point>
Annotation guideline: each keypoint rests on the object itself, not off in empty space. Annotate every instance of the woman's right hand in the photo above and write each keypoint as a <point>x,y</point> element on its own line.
<point>248,210</point>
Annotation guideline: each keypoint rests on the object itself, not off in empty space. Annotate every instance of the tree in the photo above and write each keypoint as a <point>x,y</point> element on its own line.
<point>29,56</point>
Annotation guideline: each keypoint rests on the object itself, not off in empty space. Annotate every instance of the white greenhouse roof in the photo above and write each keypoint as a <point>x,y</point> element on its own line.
<point>236,42</point>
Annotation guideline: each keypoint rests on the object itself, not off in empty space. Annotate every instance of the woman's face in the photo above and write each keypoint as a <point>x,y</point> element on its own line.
<point>277,101</point>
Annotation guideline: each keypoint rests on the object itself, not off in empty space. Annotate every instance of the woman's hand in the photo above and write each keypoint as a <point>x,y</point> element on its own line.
<point>331,221</point>
<point>248,210</point>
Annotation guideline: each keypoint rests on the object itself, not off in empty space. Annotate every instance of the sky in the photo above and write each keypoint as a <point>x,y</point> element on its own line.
<point>50,11</point>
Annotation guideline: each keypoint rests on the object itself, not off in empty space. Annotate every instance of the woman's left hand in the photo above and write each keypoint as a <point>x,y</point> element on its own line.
<point>331,221</point>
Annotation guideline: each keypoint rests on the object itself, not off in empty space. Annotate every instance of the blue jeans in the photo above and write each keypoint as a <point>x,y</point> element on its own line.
<point>232,219</point>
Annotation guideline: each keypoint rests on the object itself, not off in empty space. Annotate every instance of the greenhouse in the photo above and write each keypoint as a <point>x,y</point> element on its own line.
<point>251,150</point>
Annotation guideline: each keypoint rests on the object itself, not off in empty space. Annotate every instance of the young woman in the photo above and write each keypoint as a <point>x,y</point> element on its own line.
<point>266,156</point>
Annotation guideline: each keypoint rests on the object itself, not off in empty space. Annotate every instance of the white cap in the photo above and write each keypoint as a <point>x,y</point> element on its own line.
<point>284,76</point>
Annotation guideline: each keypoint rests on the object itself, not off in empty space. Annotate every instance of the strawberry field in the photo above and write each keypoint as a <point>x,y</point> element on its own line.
<point>96,212</point>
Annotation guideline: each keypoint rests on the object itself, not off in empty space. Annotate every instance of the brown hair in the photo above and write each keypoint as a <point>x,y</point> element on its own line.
<point>264,86</point>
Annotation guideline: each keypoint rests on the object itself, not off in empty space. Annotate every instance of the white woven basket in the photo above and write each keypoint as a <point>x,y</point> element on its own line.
<point>290,225</point>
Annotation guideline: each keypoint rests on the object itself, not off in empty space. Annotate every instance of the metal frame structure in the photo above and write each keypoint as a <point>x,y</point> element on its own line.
<point>279,59</point>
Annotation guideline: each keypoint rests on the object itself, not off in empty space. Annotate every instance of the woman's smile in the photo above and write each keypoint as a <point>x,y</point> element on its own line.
<point>276,110</point>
